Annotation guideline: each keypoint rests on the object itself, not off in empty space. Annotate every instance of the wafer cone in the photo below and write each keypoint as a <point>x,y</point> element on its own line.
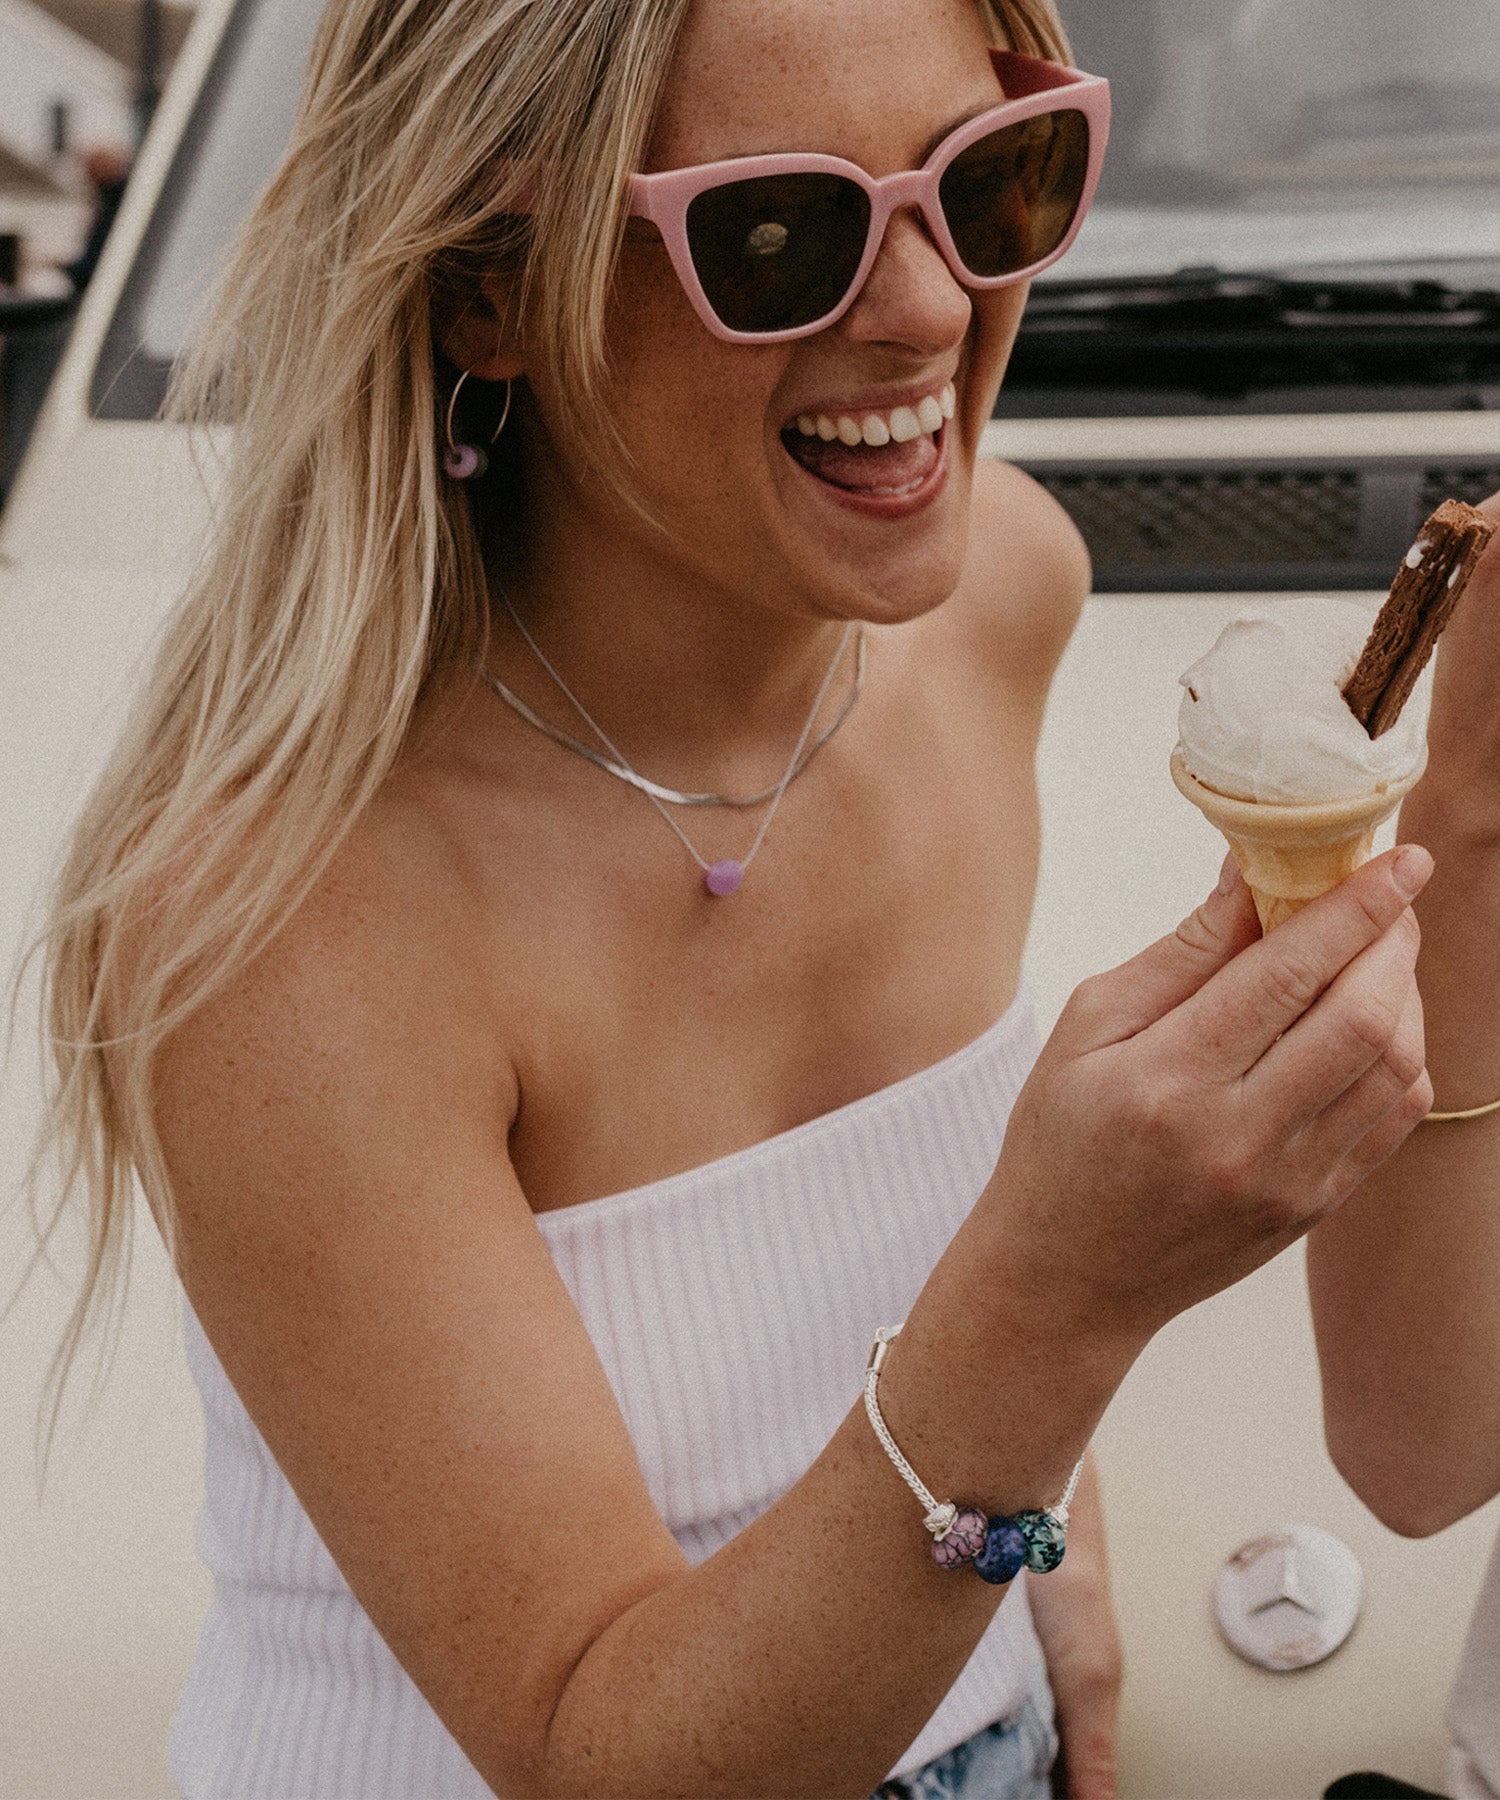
<point>1291,854</point>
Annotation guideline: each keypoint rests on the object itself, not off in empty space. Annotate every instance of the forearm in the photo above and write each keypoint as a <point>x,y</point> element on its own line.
<point>1405,1278</point>
<point>807,1654</point>
<point>1157,1151</point>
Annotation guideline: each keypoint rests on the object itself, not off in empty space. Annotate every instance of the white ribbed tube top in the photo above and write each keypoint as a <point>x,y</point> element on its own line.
<point>733,1308</point>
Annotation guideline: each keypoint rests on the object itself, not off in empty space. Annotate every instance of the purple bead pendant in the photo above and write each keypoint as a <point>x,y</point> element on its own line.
<point>724,877</point>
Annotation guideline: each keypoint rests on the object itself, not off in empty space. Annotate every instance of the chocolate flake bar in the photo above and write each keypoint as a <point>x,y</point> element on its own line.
<point>1428,586</point>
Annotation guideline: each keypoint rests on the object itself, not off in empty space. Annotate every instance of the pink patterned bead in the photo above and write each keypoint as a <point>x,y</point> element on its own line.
<point>964,1541</point>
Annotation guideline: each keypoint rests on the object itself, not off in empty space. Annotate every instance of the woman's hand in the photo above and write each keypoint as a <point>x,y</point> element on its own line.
<point>1075,1620</point>
<point>1201,1107</point>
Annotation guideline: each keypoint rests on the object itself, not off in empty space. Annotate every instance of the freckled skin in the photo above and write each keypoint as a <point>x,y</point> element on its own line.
<point>911,320</point>
<point>698,649</point>
<point>703,418</point>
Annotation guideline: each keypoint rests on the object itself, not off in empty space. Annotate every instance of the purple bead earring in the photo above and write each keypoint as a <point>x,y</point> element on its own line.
<point>461,462</point>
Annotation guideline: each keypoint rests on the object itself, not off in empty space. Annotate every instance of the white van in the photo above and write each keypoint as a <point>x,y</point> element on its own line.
<point>1274,348</point>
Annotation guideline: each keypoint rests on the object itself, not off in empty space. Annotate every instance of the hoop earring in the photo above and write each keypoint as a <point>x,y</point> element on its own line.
<point>461,462</point>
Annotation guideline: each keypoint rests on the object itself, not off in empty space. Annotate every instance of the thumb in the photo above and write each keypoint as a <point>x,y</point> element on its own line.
<point>1165,974</point>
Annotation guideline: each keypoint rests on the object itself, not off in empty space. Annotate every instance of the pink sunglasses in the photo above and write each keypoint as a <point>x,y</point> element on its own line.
<point>769,248</point>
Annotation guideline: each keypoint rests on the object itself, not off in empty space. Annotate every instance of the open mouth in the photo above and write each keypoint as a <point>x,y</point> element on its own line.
<point>884,455</point>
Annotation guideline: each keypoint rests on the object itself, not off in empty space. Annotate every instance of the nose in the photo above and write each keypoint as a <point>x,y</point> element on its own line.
<point>910,296</point>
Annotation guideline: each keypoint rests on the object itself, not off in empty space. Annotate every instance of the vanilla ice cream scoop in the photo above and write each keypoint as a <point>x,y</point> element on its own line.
<point>1263,716</point>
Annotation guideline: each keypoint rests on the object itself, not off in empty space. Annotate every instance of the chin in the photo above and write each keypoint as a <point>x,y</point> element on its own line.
<point>891,591</point>
<point>918,566</point>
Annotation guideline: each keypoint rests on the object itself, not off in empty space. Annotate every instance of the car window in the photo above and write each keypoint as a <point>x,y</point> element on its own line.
<point>234,140</point>
<point>1283,134</point>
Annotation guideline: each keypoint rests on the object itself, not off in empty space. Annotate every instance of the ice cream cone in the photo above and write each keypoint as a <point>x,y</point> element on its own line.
<point>1291,854</point>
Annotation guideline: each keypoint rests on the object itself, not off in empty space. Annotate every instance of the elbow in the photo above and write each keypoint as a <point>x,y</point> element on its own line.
<point>1408,1515</point>
<point>1413,1494</point>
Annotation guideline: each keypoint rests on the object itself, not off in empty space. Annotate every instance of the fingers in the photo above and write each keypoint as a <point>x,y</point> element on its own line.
<point>1386,1139</point>
<point>1115,1006</point>
<point>1374,1119</point>
<point>1464,676</point>
<point>1087,1729</point>
<point>1238,1014</point>
<point>1087,1766</point>
<point>1355,1030</point>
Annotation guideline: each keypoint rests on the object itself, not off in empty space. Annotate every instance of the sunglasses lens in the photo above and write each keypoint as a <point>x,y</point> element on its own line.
<point>777,251</point>
<point>1011,197</point>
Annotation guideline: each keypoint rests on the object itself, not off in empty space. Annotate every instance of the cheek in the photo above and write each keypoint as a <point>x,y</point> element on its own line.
<point>691,407</point>
<point>997,319</point>
<point>653,332</point>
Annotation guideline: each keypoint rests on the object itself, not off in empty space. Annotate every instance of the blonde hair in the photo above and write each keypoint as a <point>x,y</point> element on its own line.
<point>344,574</point>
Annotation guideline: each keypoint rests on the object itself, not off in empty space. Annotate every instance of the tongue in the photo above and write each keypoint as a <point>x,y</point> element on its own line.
<point>862,468</point>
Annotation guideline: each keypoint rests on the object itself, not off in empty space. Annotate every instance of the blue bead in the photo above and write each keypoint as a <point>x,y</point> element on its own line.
<point>1045,1541</point>
<point>1004,1552</point>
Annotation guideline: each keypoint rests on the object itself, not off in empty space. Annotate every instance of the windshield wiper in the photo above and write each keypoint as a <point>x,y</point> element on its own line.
<point>1216,332</point>
<point>1214,297</point>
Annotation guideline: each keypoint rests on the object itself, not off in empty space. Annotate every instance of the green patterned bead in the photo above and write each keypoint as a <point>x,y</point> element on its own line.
<point>1046,1540</point>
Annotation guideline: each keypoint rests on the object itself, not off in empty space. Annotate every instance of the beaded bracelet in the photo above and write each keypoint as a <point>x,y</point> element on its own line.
<point>998,1547</point>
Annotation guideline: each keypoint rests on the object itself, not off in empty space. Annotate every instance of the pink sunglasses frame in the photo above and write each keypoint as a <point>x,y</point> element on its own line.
<point>1037,86</point>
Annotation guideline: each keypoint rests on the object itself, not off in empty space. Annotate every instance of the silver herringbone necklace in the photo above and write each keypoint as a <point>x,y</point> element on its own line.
<point>721,878</point>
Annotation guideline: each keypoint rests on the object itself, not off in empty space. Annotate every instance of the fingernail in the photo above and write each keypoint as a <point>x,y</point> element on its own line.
<point>1411,870</point>
<point>1228,874</point>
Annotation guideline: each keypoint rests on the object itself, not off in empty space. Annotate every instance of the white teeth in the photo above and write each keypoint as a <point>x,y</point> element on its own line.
<point>905,425</point>
<point>900,425</point>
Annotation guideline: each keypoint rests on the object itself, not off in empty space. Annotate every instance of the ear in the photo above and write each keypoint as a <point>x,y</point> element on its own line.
<point>479,331</point>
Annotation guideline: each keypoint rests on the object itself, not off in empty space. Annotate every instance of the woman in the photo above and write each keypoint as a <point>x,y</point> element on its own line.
<point>1405,1282</point>
<point>539,1175</point>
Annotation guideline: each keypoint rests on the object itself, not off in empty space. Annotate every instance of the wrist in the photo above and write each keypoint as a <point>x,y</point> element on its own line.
<point>1027,1287</point>
<point>1090,1333</point>
<point>996,1546</point>
<point>996,1405</point>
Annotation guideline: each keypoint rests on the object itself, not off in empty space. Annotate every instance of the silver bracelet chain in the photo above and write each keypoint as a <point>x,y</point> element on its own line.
<point>940,1514</point>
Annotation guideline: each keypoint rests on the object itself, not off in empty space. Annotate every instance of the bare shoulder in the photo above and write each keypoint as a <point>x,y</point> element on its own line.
<point>347,1057</point>
<point>1027,577</point>
<point>368,969</point>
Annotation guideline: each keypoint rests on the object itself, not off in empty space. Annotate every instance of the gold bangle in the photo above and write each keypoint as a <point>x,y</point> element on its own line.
<point>1472,1112</point>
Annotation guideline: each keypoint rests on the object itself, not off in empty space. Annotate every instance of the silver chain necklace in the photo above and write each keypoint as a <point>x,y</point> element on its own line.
<point>672,796</point>
<point>721,878</point>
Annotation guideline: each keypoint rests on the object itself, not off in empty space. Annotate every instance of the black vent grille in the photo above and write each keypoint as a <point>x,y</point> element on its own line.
<point>1186,518</point>
<point>1222,527</point>
<point>1469,484</point>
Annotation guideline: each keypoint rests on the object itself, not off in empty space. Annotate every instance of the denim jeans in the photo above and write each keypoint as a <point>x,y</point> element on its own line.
<point>1010,1760</point>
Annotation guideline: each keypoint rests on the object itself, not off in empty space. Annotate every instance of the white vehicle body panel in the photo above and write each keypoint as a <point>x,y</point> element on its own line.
<point>1216,1435</point>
